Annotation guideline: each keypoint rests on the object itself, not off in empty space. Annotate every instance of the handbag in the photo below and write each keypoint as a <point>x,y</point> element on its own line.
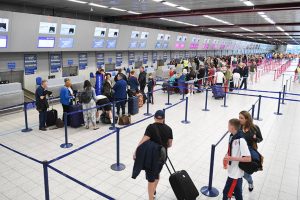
<point>125,120</point>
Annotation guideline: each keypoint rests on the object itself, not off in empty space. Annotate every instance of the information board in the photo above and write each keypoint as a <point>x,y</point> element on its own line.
<point>131,58</point>
<point>154,56</point>
<point>100,59</point>
<point>30,63</point>
<point>82,61</point>
<point>119,59</point>
<point>145,57</point>
<point>55,62</point>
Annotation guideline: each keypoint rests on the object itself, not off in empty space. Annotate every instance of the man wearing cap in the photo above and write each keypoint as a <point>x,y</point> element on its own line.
<point>161,134</point>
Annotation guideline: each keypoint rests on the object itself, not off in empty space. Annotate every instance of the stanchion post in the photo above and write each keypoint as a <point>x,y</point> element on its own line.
<point>209,190</point>
<point>183,92</point>
<point>258,109</point>
<point>168,90</point>
<point>283,94</point>
<point>26,129</point>
<point>206,96</point>
<point>66,144</point>
<point>113,125</point>
<point>118,166</point>
<point>286,85</point>
<point>225,97</point>
<point>282,80</point>
<point>275,73</point>
<point>253,111</point>
<point>46,180</point>
<point>148,102</point>
<point>185,121</point>
<point>290,83</point>
<point>278,107</point>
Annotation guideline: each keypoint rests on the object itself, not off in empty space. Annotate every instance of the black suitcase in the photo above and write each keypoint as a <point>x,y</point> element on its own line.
<point>133,106</point>
<point>51,117</point>
<point>182,184</point>
<point>76,119</point>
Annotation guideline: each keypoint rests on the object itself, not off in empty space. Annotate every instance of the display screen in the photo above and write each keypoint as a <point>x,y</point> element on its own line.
<point>144,35</point>
<point>47,28</point>
<point>184,38</point>
<point>67,29</point>
<point>158,45</point>
<point>133,44</point>
<point>100,32</point>
<point>167,37</point>
<point>143,44</point>
<point>4,24</point>
<point>3,41</point>
<point>111,44</point>
<point>66,42</point>
<point>110,67</point>
<point>98,43</point>
<point>135,34</point>
<point>113,33</point>
<point>46,42</point>
<point>165,46</point>
<point>179,38</point>
<point>179,45</point>
<point>160,36</point>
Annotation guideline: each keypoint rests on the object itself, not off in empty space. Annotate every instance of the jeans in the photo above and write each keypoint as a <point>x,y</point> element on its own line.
<point>121,105</point>
<point>244,82</point>
<point>42,119</point>
<point>233,186</point>
<point>248,178</point>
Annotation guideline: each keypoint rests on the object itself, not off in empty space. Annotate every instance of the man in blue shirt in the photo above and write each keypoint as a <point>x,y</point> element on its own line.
<point>42,104</point>
<point>120,89</point>
<point>133,82</point>
<point>66,95</point>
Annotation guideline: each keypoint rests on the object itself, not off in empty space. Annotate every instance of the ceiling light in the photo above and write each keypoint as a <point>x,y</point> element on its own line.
<point>97,5</point>
<point>279,28</point>
<point>135,13</point>
<point>183,8</point>
<point>77,1</point>
<point>157,0</point>
<point>270,20</point>
<point>246,29</point>
<point>268,36</point>
<point>117,9</point>
<point>169,4</point>
<point>218,20</point>
<point>261,13</point>
<point>214,29</point>
<point>178,22</point>
<point>286,34</point>
<point>248,3</point>
<point>237,34</point>
<point>259,34</point>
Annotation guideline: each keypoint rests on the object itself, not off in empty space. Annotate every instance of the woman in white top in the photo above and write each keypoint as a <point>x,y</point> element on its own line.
<point>219,80</point>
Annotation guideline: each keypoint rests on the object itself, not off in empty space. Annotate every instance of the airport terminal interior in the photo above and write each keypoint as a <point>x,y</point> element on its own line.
<point>149,99</point>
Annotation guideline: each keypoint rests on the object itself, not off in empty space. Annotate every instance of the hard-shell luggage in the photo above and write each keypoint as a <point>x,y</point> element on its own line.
<point>133,106</point>
<point>76,119</point>
<point>51,117</point>
<point>182,184</point>
<point>218,92</point>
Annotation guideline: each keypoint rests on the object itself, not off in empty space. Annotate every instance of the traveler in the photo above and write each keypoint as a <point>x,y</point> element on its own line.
<point>252,135</point>
<point>100,71</point>
<point>88,98</point>
<point>252,71</point>
<point>42,104</point>
<point>298,72</point>
<point>245,73</point>
<point>160,134</point>
<point>200,76</point>
<point>107,87</point>
<point>120,72</point>
<point>133,83</point>
<point>142,79</point>
<point>236,77</point>
<point>150,85</point>
<point>238,151</point>
<point>171,73</point>
<point>228,78</point>
<point>120,94</point>
<point>66,96</point>
<point>219,77</point>
<point>190,78</point>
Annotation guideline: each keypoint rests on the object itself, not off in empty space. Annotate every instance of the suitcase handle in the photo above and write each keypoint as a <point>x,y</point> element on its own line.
<point>168,159</point>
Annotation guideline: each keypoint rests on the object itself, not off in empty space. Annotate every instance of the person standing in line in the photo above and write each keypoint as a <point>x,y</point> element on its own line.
<point>107,87</point>
<point>219,77</point>
<point>142,79</point>
<point>245,74</point>
<point>42,104</point>
<point>66,96</point>
<point>228,78</point>
<point>298,73</point>
<point>252,135</point>
<point>190,79</point>
<point>238,151</point>
<point>133,84</point>
<point>120,72</point>
<point>150,85</point>
<point>253,70</point>
<point>161,134</point>
<point>88,97</point>
<point>236,77</point>
<point>120,94</point>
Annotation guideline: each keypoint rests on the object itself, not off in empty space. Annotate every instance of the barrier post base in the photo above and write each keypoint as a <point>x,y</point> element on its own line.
<point>205,110</point>
<point>147,114</point>
<point>168,104</point>
<point>224,106</point>
<point>118,167</point>
<point>276,113</point>
<point>25,130</point>
<point>66,145</point>
<point>185,122</point>
<point>112,128</point>
<point>213,192</point>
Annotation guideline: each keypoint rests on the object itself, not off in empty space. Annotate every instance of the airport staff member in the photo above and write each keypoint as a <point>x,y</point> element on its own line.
<point>42,104</point>
<point>160,134</point>
<point>66,96</point>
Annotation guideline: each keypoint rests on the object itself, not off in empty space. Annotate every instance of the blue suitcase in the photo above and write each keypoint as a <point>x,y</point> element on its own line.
<point>133,106</point>
<point>218,92</point>
<point>76,119</point>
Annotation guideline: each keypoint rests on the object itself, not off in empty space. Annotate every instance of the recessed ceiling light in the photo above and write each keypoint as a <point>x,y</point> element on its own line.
<point>237,34</point>
<point>246,29</point>
<point>117,9</point>
<point>218,20</point>
<point>157,0</point>
<point>183,8</point>
<point>248,3</point>
<point>279,28</point>
<point>169,4</point>
<point>77,1</point>
<point>261,13</point>
<point>135,13</point>
<point>97,5</point>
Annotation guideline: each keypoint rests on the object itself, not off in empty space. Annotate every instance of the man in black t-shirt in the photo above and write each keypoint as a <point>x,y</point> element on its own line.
<point>162,134</point>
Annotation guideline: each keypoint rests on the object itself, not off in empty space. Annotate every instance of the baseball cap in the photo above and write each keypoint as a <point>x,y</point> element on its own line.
<point>159,114</point>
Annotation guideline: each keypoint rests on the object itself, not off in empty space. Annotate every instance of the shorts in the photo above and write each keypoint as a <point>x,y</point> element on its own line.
<point>152,176</point>
<point>103,102</point>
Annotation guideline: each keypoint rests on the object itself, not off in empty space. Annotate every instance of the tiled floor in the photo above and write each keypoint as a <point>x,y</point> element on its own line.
<point>23,179</point>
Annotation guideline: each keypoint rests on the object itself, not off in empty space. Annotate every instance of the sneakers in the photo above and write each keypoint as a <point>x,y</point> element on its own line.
<point>250,187</point>
<point>43,129</point>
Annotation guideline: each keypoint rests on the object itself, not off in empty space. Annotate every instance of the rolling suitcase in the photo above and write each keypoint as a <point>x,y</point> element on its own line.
<point>218,92</point>
<point>133,106</point>
<point>182,184</point>
<point>76,119</point>
<point>51,116</point>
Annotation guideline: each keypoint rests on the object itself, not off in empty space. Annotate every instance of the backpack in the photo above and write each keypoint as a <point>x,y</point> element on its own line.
<point>86,96</point>
<point>104,118</point>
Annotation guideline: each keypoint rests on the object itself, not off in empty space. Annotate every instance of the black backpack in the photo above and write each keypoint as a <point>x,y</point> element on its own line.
<point>86,96</point>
